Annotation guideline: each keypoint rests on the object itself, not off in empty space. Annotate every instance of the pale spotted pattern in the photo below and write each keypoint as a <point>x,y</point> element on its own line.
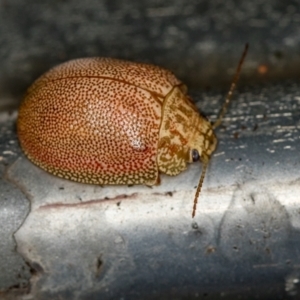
<point>182,130</point>
<point>96,120</point>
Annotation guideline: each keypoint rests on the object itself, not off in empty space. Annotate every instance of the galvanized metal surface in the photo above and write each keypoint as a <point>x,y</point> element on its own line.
<point>90,242</point>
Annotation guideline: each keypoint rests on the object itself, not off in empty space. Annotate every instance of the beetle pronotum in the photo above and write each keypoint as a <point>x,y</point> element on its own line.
<point>108,121</point>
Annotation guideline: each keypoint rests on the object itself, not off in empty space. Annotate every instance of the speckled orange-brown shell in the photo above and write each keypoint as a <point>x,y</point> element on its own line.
<point>96,120</point>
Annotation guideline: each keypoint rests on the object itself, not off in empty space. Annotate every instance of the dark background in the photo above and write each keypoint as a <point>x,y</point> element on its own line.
<point>200,41</point>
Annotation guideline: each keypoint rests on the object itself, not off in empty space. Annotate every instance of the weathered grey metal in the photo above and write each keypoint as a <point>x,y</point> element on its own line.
<point>91,242</point>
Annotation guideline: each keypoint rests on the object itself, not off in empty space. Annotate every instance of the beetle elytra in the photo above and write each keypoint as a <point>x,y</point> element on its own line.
<point>108,121</point>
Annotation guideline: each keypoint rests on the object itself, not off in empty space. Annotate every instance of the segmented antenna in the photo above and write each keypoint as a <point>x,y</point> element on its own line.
<point>204,167</point>
<point>231,90</point>
<point>218,122</point>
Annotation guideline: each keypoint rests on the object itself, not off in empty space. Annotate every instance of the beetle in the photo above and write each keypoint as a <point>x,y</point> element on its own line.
<point>108,121</point>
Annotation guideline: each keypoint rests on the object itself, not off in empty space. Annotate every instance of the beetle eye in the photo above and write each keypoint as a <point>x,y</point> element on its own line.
<point>195,155</point>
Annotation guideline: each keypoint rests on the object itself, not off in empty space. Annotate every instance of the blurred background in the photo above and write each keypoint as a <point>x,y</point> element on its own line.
<point>199,40</point>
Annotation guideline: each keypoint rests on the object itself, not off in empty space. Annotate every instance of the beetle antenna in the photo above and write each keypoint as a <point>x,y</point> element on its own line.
<point>218,122</point>
<point>204,167</point>
<point>232,88</point>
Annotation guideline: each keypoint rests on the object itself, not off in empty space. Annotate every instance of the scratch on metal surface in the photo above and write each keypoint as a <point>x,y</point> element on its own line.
<point>265,266</point>
<point>87,203</point>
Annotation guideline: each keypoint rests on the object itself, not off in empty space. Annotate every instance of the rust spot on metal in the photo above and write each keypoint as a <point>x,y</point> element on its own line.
<point>211,249</point>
